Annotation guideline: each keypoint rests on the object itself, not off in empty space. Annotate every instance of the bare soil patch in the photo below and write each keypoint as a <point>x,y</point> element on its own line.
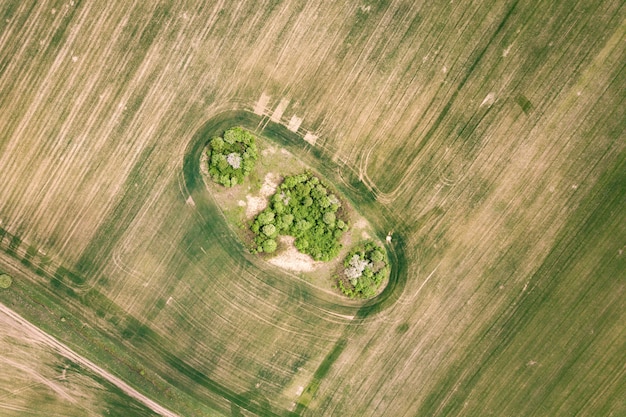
<point>261,106</point>
<point>294,123</point>
<point>293,260</point>
<point>280,109</point>
<point>255,204</point>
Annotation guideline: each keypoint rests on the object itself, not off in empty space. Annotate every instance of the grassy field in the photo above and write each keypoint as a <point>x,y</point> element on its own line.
<point>489,138</point>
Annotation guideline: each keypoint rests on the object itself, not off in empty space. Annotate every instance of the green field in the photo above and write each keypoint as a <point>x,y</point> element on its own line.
<point>488,138</point>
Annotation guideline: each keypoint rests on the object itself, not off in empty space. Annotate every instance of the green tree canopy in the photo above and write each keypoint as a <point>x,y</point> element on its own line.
<point>365,268</point>
<point>269,246</point>
<point>301,208</point>
<point>232,157</point>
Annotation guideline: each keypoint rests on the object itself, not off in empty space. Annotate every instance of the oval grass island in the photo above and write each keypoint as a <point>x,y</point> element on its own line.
<point>246,209</point>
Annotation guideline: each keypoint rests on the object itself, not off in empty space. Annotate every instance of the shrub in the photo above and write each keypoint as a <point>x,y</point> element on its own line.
<point>232,158</point>
<point>5,281</point>
<point>269,230</point>
<point>269,246</point>
<point>377,256</point>
<point>301,208</point>
<point>329,217</point>
<point>266,217</point>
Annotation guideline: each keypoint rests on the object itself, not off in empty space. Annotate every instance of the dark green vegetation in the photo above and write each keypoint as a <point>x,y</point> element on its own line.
<point>5,281</point>
<point>319,375</point>
<point>303,207</point>
<point>365,268</point>
<point>231,157</point>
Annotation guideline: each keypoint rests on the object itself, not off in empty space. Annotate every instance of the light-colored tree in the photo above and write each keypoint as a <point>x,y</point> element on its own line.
<point>356,266</point>
<point>234,160</point>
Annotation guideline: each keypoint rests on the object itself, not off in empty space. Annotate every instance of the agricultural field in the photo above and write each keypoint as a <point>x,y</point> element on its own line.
<point>37,379</point>
<point>487,139</point>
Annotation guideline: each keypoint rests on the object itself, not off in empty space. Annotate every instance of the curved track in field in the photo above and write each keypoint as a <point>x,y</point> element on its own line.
<point>343,179</point>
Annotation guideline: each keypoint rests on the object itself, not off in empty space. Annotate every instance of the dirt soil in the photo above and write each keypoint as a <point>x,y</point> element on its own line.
<point>293,260</point>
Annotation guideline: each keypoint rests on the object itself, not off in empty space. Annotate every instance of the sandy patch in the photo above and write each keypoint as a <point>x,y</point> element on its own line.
<point>279,110</point>
<point>489,100</point>
<point>310,137</point>
<point>268,151</point>
<point>360,224</point>
<point>261,106</point>
<point>294,123</point>
<point>293,260</point>
<point>270,184</point>
<point>255,204</point>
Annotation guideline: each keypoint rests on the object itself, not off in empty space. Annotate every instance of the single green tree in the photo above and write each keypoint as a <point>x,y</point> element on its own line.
<point>269,246</point>
<point>269,230</point>
<point>329,218</point>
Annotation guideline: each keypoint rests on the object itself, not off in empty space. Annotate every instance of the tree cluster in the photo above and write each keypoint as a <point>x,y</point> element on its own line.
<point>365,268</point>
<point>304,208</point>
<point>232,157</point>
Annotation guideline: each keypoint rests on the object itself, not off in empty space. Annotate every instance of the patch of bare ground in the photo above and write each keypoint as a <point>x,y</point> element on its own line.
<point>255,204</point>
<point>361,225</point>
<point>293,260</point>
<point>260,107</point>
